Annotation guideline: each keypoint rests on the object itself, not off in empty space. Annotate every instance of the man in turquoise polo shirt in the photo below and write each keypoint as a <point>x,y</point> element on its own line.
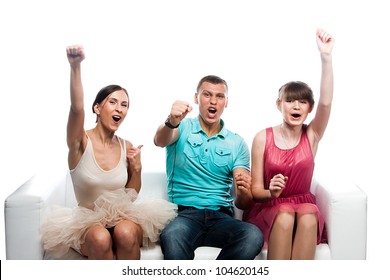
<point>204,162</point>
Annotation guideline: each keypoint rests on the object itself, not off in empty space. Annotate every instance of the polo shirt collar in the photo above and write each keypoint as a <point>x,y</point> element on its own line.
<point>196,128</point>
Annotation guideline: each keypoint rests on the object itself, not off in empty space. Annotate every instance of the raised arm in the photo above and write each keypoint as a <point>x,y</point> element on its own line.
<point>165,135</point>
<point>318,125</point>
<point>75,127</point>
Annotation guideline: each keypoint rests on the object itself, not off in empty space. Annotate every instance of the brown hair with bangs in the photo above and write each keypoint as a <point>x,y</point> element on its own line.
<point>296,90</point>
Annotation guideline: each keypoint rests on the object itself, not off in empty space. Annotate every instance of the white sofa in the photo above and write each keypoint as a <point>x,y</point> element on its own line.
<point>343,204</point>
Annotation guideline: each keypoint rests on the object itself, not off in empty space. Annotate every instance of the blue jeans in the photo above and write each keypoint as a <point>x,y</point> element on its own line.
<point>193,228</point>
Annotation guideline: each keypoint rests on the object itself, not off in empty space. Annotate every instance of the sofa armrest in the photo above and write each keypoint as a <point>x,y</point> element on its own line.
<point>344,207</point>
<point>23,211</point>
<point>24,208</point>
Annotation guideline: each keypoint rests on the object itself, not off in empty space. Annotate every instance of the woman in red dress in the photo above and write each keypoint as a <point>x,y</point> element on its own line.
<point>283,164</point>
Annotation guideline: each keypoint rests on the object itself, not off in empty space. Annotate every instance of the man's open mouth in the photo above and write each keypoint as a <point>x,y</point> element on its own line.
<point>212,110</point>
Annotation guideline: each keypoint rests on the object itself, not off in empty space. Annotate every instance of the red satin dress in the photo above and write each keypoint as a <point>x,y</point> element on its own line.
<point>297,164</point>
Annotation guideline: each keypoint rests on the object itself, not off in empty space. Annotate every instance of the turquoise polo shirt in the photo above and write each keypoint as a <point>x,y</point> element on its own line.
<point>200,168</point>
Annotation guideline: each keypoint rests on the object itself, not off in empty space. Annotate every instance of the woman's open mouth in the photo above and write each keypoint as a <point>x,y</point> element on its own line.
<point>296,116</point>
<point>116,119</point>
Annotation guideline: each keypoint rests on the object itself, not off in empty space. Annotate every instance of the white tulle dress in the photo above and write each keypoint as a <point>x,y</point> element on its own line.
<point>102,200</point>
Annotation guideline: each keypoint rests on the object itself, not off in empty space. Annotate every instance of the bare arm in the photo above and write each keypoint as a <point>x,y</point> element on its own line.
<point>75,127</point>
<point>276,184</point>
<point>134,166</point>
<point>164,135</point>
<point>257,161</point>
<point>318,125</point>
<point>242,187</point>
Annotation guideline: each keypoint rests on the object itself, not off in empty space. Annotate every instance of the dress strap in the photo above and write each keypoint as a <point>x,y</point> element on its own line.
<point>123,146</point>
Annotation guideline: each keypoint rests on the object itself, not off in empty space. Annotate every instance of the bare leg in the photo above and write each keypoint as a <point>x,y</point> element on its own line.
<point>280,239</point>
<point>128,240</point>
<point>98,244</point>
<point>305,240</point>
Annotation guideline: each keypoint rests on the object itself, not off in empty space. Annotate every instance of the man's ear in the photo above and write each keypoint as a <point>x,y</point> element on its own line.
<point>196,96</point>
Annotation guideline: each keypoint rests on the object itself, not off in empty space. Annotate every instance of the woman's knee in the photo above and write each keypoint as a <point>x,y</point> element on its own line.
<point>307,221</point>
<point>127,233</point>
<point>98,238</point>
<point>284,221</point>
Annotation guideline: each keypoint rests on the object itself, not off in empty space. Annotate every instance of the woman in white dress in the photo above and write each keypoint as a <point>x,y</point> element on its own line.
<point>109,222</point>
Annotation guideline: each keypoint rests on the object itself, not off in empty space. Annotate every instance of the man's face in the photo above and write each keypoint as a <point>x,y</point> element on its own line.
<point>212,100</point>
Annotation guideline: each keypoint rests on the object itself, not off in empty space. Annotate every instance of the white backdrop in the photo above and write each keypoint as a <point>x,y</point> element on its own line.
<point>158,50</point>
